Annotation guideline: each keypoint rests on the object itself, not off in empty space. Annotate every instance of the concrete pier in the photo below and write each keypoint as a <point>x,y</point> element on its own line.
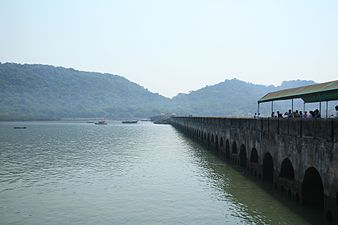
<point>299,157</point>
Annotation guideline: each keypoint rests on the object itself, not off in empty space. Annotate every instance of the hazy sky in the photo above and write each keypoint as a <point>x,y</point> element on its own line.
<point>176,45</point>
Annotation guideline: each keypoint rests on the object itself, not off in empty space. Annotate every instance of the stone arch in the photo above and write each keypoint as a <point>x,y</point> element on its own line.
<point>212,139</point>
<point>216,141</point>
<point>242,156</point>
<point>234,148</point>
<point>328,216</point>
<point>221,144</point>
<point>268,168</point>
<point>254,156</point>
<point>297,197</point>
<point>287,170</point>
<point>289,194</point>
<point>312,189</point>
<point>227,149</point>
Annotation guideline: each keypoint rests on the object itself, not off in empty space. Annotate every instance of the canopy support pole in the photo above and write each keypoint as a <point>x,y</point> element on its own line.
<point>271,107</point>
<point>304,107</point>
<point>258,110</point>
<point>327,105</point>
<point>292,105</point>
<point>320,107</point>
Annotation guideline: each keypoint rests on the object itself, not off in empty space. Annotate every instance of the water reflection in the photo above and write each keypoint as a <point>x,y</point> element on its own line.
<point>255,202</point>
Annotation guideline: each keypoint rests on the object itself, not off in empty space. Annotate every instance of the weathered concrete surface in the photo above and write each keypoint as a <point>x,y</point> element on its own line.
<point>298,156</point>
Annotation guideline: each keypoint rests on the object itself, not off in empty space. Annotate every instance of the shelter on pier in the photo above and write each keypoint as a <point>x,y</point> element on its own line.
<point>323,92</point>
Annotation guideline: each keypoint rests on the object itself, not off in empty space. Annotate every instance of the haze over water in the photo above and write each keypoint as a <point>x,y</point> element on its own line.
<point>79,173</point>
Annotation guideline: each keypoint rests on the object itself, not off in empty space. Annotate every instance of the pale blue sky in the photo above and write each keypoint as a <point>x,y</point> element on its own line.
<point>176,45</point>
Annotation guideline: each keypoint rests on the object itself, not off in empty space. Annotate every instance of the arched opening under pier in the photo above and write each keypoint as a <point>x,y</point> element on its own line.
<point>286,170</point>
<point>221,144</point>
<point>268,168</point>
<point>227,149</point>
<point>312,189</point>
<point>216,142</point>
<point>254,156</point>
<point>234,148</point>
<point>242,156</point>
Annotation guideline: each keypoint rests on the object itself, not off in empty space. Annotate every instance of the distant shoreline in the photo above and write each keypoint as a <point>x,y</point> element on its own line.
<point>62,120</point>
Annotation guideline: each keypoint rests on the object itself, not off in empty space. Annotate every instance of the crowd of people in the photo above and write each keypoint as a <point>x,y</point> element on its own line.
<point>299,114</point>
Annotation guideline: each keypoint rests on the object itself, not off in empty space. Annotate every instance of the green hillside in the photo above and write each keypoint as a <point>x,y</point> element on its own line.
<point>48,92</point>
<point>232,97</point>
<point>41,92</point>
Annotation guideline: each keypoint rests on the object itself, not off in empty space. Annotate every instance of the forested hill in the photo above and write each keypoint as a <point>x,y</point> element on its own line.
<point>232,97</point>
<point>48,92</point>
<point>41,92</point>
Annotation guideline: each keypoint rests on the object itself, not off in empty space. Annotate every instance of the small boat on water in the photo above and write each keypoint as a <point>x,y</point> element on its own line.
<point>130,121</point>
<point>101,122</point>
<point>20,127</point>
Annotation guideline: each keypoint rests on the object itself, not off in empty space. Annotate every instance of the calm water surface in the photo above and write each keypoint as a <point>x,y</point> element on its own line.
<point>79,173</point>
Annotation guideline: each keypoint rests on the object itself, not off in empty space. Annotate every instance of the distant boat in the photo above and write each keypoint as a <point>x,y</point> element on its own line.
<point>101,122</point>
<point>130,121</point>
<point>20,127</point>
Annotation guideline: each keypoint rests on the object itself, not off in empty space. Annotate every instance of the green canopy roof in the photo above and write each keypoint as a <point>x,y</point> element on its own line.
<point>313,93</point>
